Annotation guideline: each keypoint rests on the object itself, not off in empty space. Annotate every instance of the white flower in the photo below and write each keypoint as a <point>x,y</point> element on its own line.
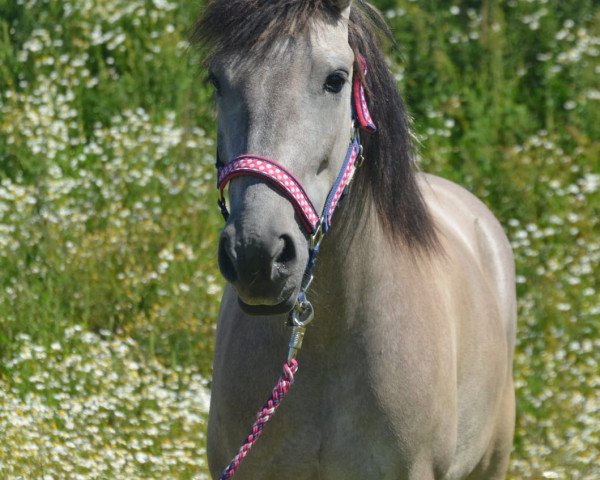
<point>550,474</point>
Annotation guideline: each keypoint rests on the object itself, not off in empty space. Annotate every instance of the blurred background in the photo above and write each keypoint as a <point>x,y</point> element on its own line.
<point>109,287</point>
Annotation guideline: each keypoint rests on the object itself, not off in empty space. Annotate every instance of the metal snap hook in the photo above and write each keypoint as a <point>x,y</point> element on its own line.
<point>302,314</point>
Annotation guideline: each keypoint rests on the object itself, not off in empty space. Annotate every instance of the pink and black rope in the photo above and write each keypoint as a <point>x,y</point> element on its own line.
<point>263,416</point>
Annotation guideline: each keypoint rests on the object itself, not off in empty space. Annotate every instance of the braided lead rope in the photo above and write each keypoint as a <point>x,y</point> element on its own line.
<point>264,415</point>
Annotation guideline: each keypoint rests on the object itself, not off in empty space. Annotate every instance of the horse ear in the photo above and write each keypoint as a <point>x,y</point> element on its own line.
<point>343,6</point>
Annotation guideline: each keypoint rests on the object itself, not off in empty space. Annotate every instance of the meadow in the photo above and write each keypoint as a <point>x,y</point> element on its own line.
<point>109,287</point>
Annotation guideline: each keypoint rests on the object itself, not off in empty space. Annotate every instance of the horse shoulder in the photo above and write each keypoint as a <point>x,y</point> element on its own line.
<point>461,215</point>
<point>477,274</point>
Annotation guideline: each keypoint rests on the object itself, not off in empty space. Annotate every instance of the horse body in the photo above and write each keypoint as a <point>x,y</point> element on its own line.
<point>391,385</point>
<point>405,372</point>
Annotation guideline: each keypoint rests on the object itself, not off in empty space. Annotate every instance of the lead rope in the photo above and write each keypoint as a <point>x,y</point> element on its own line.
<point>300,316</point>
<point>284,383</point>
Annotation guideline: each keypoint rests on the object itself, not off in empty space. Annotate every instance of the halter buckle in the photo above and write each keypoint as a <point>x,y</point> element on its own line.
<point>317,237</point>
<point>361,158</point>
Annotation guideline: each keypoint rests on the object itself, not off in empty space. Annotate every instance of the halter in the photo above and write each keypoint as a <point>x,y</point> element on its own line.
<point>315,225</point>
<point>276,174</point>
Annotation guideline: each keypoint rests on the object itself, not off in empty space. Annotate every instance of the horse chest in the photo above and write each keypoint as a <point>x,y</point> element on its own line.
<point>356,438</point>
<point>330,427</point>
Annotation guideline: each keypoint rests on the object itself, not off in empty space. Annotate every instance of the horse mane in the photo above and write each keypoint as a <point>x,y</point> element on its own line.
<point>389,172</point>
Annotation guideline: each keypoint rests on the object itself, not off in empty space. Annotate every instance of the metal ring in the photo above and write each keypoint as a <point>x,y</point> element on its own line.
<point>302,314</point>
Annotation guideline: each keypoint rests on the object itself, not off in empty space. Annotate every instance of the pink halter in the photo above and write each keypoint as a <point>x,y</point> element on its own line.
<point>284,181</point>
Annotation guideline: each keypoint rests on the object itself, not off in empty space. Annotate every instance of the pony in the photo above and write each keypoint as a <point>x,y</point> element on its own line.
<point>406,369</point>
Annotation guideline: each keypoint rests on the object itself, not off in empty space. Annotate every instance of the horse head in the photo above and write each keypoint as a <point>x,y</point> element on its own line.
<point>288,100</point>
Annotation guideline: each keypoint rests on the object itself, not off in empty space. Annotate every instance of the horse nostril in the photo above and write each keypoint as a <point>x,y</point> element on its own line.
<point>227,259</point>
<point>288,251</point>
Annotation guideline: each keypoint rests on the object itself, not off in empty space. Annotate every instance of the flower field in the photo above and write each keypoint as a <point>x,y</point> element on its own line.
<point>108,282</point>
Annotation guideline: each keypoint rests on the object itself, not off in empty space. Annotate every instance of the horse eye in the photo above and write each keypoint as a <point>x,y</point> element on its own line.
<point>334,83</point>
<point>214,81</point>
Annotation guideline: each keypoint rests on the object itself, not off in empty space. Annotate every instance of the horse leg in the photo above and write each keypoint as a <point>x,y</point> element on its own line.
<point>494,464</point>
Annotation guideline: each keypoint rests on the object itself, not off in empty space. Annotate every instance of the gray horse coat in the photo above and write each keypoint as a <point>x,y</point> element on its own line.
<point>406,370</point>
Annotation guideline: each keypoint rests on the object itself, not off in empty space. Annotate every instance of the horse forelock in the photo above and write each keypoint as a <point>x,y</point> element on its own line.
<point>227,26</point>
<point>230,26</point>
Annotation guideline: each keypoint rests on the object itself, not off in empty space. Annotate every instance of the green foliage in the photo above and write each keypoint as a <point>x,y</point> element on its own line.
<point>103,153</point>
<point>108,227</point>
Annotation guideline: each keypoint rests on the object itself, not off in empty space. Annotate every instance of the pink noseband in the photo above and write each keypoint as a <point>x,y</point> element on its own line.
<point>263,167</point>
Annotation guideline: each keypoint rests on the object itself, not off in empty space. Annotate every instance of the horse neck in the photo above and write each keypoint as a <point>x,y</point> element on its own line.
<point>348,260</point>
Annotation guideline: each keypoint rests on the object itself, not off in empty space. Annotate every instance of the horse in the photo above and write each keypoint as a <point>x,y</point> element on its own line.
<point>406,368</point>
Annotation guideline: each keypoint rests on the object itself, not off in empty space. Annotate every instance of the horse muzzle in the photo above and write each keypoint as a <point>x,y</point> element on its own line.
<point>264,265</point>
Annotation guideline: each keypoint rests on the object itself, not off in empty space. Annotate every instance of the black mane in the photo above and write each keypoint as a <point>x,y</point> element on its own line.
<point>388,174</point>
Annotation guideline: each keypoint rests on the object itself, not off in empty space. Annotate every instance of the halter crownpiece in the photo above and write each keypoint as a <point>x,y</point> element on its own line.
<point>361,110</point>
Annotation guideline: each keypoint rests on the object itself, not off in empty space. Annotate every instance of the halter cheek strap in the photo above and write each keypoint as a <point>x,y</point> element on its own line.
<point>277,175</point>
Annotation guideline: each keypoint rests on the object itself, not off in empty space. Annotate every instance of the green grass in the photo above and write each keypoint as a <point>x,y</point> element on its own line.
<point>108,224</point>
